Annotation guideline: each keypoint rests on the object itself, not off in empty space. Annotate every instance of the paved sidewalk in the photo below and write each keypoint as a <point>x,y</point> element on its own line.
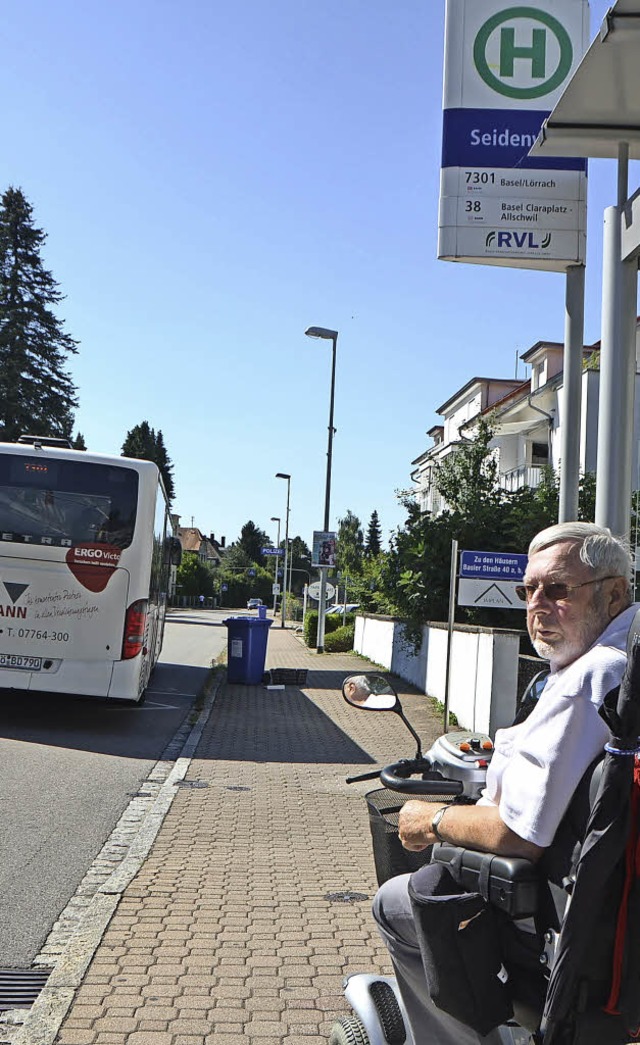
<point>231,931</point>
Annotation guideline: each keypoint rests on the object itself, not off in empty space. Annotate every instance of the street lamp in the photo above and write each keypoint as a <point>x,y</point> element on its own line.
<point>276,518</point>
<point>328,335</point>
<point>284,475</point>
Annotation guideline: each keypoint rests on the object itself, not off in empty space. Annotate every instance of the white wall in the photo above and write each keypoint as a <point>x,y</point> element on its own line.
<point>484,667</point>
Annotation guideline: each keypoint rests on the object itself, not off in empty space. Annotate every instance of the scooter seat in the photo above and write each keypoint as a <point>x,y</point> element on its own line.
<point>510,883</point>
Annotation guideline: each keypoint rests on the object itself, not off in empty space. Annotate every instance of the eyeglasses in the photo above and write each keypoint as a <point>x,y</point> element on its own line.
<point>555,591</point>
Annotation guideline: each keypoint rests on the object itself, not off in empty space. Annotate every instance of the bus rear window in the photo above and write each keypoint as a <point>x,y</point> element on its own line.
<point>49,501</point>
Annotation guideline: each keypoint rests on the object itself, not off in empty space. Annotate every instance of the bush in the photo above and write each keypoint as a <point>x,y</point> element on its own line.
<point>340,640</point>
<point>332,623</point>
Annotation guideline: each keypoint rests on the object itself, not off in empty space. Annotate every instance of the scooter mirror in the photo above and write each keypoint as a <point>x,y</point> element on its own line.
<point>370,692</point>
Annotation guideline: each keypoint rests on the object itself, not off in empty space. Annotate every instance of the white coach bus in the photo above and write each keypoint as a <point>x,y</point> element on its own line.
<point>85,554</point>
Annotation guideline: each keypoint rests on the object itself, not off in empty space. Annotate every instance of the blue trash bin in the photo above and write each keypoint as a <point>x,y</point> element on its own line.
<point>246,649</point>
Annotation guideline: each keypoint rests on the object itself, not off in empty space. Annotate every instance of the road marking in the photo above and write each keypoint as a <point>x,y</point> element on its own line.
<point>147,705</point>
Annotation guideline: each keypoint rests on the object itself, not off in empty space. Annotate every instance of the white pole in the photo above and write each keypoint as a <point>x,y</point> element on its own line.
<point>452,610</point>
<point>617,368</point>
<point>571,401</point>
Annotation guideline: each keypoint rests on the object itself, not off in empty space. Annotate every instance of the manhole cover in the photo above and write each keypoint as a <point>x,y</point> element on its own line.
<point>346,897</point>
<point>192,783</point>
<point>237,787</point>
<point>19,988</point>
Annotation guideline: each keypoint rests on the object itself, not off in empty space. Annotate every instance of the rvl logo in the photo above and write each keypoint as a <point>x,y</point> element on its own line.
<point>496,50</point>
<point>517,240</point>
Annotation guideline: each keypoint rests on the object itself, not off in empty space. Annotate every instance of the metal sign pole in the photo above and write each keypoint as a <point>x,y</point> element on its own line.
<point>571,395</point>
<point>452,610</point>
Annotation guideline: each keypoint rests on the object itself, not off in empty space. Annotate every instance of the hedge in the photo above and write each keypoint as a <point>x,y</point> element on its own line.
<point>332,623</point>
<point>340,640</point>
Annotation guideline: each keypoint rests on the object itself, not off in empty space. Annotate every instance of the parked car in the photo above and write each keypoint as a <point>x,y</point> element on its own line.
<point>253,604</point>
<point>341,608</point>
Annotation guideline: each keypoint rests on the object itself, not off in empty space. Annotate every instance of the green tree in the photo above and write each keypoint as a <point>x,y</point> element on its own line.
<point>252,541</point>
<point>79,443</point>
<point>143,443</point>
<point>350,545</point>
<point>299,563</point>
<point>193,577</point>
<point>467,478</point>
<point>37,394</point>
<point>479,515</point>
<point>373,543</point>
<point>163,462</point>
<point>140,442</point>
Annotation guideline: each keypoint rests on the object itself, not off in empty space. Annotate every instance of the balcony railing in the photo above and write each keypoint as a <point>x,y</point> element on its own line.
<point>516,478</point>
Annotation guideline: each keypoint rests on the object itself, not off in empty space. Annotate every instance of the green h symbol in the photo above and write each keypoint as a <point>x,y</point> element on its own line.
<point>537,53</point>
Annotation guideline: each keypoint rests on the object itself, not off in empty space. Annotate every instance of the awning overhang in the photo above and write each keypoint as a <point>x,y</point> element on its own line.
<point>601,105</point>
<point>520,427</point>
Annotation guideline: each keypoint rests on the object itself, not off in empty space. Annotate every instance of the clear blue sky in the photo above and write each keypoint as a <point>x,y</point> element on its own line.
<point>216,177</point>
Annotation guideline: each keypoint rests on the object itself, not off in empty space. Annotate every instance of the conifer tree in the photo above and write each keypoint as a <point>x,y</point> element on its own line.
<point>373,543</point>
<point>140,442</point>
<point>143,443</point>
<point>163,462</point>
<point>37,394</point>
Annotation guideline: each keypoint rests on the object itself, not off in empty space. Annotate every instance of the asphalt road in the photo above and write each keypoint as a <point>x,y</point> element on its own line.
<point>68,769</point>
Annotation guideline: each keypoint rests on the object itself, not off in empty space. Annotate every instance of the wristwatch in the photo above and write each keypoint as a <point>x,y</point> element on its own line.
<point>435,823</point>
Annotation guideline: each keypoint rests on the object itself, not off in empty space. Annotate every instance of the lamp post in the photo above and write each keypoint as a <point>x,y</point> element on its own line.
<point>328,335</point>
<point>275,518</point>
<point>284,475</point>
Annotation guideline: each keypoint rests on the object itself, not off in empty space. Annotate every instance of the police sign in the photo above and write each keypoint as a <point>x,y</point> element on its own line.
<point>506,65</point>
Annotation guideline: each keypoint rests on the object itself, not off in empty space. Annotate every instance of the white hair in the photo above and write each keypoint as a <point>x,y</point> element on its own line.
<point>361,681</point>
<point>597,547</point>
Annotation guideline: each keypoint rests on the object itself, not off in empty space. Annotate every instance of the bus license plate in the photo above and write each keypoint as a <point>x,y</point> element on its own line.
<point>15,660</point>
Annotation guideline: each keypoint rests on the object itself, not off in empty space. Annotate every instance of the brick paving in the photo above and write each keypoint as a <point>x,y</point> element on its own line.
<point>229,932</point>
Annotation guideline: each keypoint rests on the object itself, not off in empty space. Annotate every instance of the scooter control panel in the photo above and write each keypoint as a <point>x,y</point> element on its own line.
<point>468,746</point>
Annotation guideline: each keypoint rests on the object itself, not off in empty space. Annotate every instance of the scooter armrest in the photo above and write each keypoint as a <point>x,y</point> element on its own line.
<point>510,883</point>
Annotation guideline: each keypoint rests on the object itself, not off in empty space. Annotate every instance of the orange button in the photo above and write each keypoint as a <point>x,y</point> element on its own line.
<point>487,745</point>
<point>464,746</point>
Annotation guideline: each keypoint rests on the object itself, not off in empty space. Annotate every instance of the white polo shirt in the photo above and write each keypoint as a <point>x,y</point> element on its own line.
<point>537,765</point>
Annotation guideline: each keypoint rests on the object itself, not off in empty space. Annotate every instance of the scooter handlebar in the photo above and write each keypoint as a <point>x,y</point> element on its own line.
<point>363,776</point>
<point>398,777</point>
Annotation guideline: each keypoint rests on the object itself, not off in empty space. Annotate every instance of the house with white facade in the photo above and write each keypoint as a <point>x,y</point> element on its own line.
<point>460,413</point>
<point>526,417</point>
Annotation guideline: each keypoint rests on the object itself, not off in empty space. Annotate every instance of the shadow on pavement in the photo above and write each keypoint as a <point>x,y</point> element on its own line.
<point>104,726</point>
<point>259,725</point>
<point>330,678</point>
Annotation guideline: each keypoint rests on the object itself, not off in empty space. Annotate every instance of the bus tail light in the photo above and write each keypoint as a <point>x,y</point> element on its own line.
<point>134,628</point>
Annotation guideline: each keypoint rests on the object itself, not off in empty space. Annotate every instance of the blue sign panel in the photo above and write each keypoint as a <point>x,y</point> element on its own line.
<point>272,551</point>
<point>503,566</point>
<point>497,138</point>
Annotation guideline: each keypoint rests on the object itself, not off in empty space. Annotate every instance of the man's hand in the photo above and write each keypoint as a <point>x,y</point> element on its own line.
<point>414,825</point>
<point>471,826</point>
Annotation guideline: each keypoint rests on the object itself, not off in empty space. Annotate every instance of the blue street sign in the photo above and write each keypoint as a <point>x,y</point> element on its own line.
<point>272,551</point>
<point>225,587</point>
<point>252,573</point>
<point>500,566</point>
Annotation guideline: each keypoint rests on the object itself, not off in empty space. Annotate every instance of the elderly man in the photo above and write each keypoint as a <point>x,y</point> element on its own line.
<point>357,689</point>
<point>578,601</point>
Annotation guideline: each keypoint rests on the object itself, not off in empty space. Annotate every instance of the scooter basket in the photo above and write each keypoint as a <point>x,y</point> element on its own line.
<point>389,856</point>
